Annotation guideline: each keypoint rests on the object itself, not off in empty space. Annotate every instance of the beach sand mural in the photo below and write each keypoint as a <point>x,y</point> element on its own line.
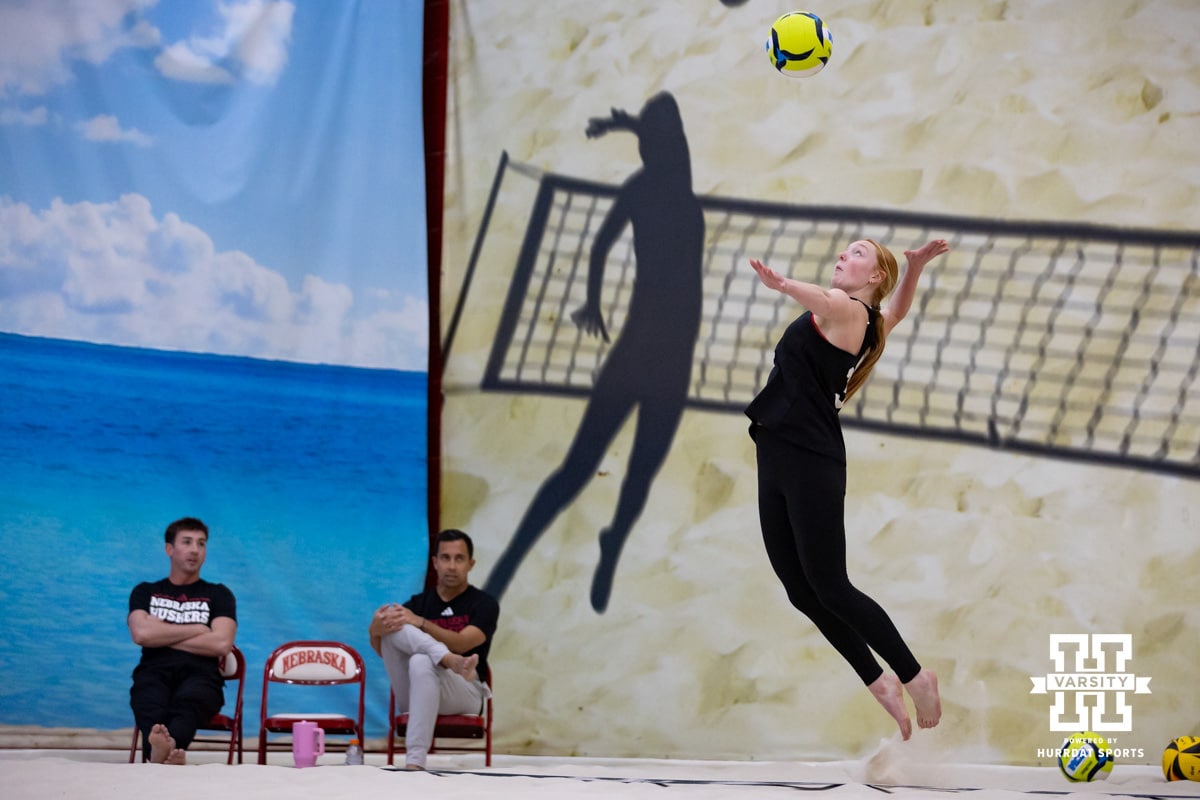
<point>1048,112</point>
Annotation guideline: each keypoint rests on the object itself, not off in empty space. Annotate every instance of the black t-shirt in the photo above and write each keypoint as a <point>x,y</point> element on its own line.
<point>807,386</point>
<point>472,607</point>
<point>199,602</point>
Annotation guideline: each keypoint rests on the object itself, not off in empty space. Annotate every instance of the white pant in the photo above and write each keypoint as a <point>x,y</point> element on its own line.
<point>423,688</point>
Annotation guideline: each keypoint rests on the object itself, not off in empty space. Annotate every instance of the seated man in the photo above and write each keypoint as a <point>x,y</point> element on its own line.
<point>184,625</point>
<point>435,646</point>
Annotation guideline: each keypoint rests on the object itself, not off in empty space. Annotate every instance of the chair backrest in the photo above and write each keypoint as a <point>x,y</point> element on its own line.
<point>233,665</point>
<point>233,668</point>
<point>314,663</point>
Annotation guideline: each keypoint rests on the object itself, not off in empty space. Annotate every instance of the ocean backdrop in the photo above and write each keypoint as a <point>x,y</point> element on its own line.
<point>312,480</point>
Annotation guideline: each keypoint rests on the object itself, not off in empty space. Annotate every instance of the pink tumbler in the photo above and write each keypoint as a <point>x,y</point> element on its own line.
<point>308,742</point>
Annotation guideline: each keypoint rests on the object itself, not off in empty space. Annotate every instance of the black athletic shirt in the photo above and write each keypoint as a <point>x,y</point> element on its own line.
<point>472,607</point>
<point>807,386</point>
<point>200,602</point>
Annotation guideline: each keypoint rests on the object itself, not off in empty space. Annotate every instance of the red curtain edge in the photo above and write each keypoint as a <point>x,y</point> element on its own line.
<point>434,80</point>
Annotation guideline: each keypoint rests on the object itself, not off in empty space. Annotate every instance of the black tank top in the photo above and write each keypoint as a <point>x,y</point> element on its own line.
<point>807,386</point>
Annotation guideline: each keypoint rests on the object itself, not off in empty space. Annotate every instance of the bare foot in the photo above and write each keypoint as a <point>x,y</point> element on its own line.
<point>923,690</point>
<point>177,757</point>
<point>467,669</point>
<point>886,689</point>
<point>463,665</point>
<point>161,744</point>
<point>414,768</point>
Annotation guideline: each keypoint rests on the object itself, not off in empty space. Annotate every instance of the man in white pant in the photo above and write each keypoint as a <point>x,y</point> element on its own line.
<point>435,646</point>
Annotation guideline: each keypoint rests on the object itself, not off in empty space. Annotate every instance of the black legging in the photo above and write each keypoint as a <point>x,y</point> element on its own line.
<point>801,503</point>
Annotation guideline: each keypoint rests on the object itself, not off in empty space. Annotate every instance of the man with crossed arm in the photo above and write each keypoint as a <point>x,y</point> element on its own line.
<point>185,626</point>
<point>435,646</point>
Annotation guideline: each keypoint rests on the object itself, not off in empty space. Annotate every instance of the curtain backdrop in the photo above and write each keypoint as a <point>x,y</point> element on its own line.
<point>1022,463</point>
<point>212,303</point>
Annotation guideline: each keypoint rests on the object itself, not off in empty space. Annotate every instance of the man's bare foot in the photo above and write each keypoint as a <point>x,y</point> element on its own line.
<point>161,744</point>
<point>463,665</point>
<point>177,757</point>
<point>467,669</point>
<point>414,767</point>
<point>886,689</point>
<point>923,690</point>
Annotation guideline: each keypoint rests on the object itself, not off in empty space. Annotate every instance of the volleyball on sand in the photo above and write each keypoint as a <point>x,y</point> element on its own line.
<point>1085,757</point>
<point>799,45</point>
<point>1181,759</point>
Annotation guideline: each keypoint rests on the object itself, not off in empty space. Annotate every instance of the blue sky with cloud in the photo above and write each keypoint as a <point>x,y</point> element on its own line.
<point>244,178</point>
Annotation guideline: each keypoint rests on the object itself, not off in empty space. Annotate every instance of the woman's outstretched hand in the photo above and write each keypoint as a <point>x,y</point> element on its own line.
<point>923,255</point>
<point>769,277</point>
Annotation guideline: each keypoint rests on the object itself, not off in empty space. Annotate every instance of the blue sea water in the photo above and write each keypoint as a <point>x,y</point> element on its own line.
<point>312,480</point>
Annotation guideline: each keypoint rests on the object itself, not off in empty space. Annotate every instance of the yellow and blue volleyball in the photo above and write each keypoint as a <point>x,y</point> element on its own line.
<point>1085,756</point>
<point>799,45</point>
<point>1181,759</point>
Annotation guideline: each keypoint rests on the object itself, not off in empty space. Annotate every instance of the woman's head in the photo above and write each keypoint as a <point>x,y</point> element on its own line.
<point>866,265</point>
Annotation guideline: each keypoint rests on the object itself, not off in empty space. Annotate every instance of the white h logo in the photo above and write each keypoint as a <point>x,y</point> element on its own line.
<point>1088,680</point>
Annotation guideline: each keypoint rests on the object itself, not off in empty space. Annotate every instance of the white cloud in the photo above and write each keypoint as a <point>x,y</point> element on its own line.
<point>39,39</point>
<point>113,273</point>
<point>252,43</point>
<point>261,33</point>
<point>140,35</point>
<point>180,62</point>
<point>33,117</point>
<point>396,335</point>
<point>322,301</point>
<point>105,128</point>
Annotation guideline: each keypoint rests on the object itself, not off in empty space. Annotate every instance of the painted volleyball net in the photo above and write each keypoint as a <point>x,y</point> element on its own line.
<point>1071,340</point>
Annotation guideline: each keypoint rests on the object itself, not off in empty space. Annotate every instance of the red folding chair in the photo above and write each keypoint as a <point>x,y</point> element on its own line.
<point>311,663</point>
<point>233,668</point>
<point>460,727</point>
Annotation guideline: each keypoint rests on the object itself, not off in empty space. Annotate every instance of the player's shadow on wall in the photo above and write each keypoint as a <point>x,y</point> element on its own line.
<point>648,369</point>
